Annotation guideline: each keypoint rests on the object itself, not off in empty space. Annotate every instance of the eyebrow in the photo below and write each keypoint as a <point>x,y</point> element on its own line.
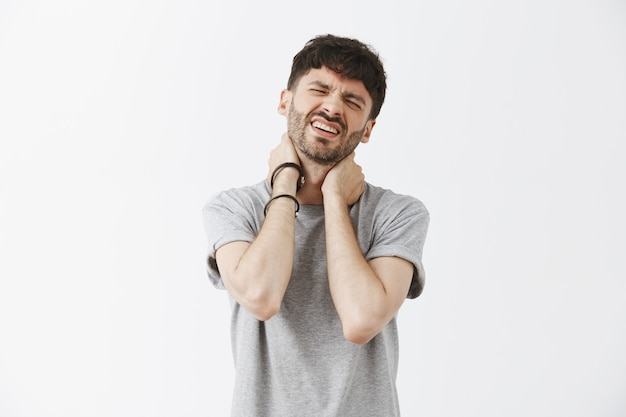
<point>346,95</point>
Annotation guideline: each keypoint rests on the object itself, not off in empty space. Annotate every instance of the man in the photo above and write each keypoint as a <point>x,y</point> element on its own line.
<point>317,261</point>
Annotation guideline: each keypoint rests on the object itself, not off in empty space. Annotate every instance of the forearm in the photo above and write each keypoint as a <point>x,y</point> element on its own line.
<point>259,279</point>
<point>357,292</point>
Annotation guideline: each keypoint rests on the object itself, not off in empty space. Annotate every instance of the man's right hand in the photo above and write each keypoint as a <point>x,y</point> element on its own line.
<point>257,273</point>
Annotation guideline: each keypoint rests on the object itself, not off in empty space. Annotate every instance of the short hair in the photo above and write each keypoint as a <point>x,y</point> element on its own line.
<point>348,57</point>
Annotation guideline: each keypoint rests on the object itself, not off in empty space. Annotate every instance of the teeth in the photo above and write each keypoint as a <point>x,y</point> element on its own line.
<point>322,126</point>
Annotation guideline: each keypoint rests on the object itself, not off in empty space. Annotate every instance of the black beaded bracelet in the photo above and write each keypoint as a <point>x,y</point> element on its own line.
<point>287,165</point>
<point>280,196</point>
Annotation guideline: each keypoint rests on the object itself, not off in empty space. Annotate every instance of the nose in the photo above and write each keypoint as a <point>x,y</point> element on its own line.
<point>333,105</point>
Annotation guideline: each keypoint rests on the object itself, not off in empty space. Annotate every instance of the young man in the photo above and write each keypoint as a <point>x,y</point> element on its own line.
<point>317,261</point>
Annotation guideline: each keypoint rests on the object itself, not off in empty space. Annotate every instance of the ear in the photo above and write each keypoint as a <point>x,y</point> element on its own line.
<point>368,130</point>
<point>285,101</point>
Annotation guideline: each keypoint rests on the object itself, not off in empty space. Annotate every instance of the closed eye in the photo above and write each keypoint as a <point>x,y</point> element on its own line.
<point>354,104</point>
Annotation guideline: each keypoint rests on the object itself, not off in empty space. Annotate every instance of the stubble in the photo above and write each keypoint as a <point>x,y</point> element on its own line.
<point>316,148</point>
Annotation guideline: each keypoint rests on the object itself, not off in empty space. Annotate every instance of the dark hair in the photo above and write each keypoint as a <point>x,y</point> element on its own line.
<point>349,58</point>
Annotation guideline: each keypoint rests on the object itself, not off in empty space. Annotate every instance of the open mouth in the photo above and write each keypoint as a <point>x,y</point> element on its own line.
<point>326,128</point>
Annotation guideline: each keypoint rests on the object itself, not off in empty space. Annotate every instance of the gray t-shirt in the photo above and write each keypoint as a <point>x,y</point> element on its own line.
<point>298,363</point>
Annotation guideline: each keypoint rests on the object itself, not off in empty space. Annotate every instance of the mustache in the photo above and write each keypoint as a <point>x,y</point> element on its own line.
<point>324,116</point>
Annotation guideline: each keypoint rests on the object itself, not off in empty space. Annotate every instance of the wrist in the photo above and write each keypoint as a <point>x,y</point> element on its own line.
<point>334,201</point>
<point>285,183</point>
<point>275,200</point>
<point>288,168</point>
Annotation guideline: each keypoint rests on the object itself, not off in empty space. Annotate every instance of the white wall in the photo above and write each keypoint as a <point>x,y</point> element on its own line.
<point>119,119</point>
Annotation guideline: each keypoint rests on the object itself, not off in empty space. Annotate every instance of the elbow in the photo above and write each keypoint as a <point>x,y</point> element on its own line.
<point>264,312</point>
<point>359,334</point>
<point>262,304</point>
<point>262,309</point>
<point>358,339</point>
<point>362,327</point>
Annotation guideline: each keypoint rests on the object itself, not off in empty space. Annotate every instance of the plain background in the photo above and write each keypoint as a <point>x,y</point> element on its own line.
<point>119,119</point>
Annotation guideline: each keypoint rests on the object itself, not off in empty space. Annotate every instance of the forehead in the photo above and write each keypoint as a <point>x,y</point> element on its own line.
<point>334,81</point>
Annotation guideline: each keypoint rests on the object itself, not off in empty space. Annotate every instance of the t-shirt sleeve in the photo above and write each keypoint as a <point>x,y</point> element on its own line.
<point>225,221</point>
<point>402,232</point>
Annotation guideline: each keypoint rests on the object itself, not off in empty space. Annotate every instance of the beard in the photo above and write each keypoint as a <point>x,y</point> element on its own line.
<point>315,149</point>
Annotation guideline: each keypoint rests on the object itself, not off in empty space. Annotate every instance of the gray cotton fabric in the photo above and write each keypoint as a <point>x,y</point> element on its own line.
<point>298,363</point>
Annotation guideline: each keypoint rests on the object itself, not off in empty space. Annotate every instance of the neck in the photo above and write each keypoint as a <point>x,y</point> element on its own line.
<point>314,175</point>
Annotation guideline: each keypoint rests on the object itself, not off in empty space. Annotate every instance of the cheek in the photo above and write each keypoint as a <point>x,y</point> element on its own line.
<point>357,123</point>
<point>302,105</point>
<point>308,101</point>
